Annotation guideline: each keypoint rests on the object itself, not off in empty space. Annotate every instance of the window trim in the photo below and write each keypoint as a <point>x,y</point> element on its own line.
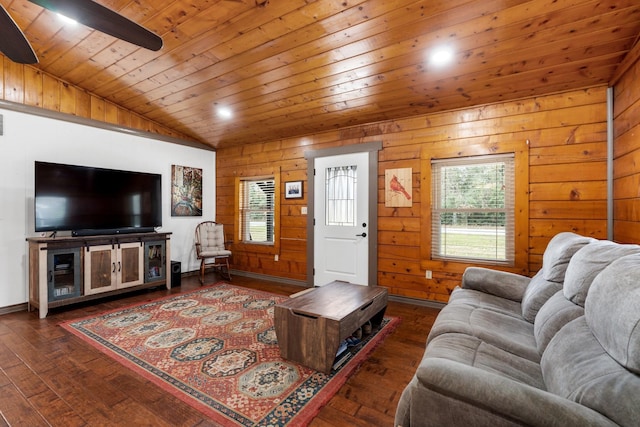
<point>258,247</point>
<point>246,210</point>
<point>509,208</point>
<point>465,148</point>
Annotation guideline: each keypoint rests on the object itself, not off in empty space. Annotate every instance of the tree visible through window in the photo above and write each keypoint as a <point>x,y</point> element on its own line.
<point>473,208</point>
<point>257,206</point>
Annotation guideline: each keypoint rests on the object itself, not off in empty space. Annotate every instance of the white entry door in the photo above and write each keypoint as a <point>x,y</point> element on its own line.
<point>341,213</point>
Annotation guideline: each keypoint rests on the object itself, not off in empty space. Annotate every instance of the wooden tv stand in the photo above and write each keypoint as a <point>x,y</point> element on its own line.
<point>68,270</point>
<point>311,327</point>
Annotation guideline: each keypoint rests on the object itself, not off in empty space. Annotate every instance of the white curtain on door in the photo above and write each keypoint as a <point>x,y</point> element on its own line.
<point>341,191</point>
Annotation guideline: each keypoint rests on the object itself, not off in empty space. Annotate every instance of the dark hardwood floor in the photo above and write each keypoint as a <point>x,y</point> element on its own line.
<point>49,377</point>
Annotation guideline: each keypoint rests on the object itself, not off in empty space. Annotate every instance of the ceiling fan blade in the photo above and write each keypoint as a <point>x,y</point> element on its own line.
<point>13,43</point>
<point>96,16</point>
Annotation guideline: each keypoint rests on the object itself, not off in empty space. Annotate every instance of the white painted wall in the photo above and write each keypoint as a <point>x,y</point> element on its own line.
<point>28,138</point>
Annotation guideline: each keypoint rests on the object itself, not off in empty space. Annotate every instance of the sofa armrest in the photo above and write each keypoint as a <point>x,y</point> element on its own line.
<point>495,282</point>
<point>443,386</point>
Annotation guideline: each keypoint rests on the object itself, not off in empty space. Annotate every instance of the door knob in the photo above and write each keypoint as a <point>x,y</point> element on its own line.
<point>361,235</point>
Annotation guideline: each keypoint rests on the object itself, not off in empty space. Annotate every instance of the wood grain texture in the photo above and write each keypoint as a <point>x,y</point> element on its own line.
<point>309,75</point>
<point>50,377</point>
<point>311,326</point>
<point>30,86</point>
<point>626,184</point>
<point>297,67</point>
<point>566,186</point>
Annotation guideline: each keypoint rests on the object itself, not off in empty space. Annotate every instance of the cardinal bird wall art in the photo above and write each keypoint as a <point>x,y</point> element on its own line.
<point>398,188</point>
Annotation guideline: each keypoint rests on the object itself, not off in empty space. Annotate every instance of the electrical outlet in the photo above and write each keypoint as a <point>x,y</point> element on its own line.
<point>276,257</point>
<point>428,274</point>
<point>303,210</point>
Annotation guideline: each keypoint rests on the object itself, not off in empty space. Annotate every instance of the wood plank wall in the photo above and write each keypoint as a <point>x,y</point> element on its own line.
<point>567,170</point>
<point>626,182</point>
<point>24,84</point>
<point>567,182</point>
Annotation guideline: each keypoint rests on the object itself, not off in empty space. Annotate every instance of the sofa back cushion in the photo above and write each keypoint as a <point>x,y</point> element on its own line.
<point>549,279</point>
<point>576,367</point>
<point>594,360</point>
<point>612,311</point>
<point>587,262</point>
<point>558,253</point>
<point>552,316</point>
<point>537,293</point>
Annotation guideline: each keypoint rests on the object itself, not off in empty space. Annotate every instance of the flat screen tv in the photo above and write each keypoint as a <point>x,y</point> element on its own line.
<point>89,200</point>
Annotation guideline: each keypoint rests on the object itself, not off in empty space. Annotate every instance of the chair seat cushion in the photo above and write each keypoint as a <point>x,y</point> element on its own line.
<point>214,253</point>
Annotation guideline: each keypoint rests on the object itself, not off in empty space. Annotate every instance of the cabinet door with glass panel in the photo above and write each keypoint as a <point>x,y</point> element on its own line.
<point>155,261</point>
<point>63,274</point>
<point>110,267</point>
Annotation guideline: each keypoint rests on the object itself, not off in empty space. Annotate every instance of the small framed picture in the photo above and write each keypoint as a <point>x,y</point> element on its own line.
<point>293,190</point>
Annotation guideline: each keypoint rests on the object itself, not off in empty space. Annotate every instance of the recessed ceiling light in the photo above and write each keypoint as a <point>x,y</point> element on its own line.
<point>441,56</point>
<point>225,112</point>
<point>66,19</point>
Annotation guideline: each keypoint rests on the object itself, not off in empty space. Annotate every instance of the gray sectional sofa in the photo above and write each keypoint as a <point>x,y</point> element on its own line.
<point>559,349</point>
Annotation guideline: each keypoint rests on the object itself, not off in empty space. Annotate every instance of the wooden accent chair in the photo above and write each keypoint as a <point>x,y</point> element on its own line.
<point>210,245</point>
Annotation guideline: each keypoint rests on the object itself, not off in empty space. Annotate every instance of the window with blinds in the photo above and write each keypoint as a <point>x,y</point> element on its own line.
<point>473,208</point>
<point>257,206</point>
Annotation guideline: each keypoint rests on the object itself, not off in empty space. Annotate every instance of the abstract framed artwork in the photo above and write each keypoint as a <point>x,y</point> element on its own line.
<point>186,191</point>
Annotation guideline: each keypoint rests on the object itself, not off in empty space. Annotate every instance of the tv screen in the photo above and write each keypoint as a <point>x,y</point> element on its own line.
<point>88,200</point>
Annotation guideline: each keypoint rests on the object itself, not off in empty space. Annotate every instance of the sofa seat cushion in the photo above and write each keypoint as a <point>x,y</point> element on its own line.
<point>588,262</point>
<point>474,352</point>
<point>575,366</point>
<point>479,299</point>
<point>557,312</point>
<point>445,392</point>
<point>505,332</point>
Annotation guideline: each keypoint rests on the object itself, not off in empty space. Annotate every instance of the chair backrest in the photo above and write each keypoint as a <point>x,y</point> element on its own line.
<point>209,235</point>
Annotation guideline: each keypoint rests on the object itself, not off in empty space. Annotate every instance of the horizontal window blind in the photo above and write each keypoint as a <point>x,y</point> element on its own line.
<point>257,205</point>
<point>473,208</point>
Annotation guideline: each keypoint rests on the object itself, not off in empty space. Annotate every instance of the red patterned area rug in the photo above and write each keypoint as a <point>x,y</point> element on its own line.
<point>216,349</point>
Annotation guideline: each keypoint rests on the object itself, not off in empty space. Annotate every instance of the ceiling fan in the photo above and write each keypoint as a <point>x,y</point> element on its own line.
<point>16,47</point>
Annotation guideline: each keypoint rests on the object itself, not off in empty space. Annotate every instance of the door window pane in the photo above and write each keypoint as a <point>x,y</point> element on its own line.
<point>341,187</point>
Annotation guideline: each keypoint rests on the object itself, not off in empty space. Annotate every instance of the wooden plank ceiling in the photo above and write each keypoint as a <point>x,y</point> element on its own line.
<point>293,67</point>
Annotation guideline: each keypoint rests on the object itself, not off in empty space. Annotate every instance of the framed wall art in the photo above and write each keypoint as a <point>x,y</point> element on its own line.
<point>293,190</point>
<point>186,191</point>
<point>398,188</point>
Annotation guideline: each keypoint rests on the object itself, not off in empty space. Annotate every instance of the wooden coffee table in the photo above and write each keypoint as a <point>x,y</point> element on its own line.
<point>310,327</point>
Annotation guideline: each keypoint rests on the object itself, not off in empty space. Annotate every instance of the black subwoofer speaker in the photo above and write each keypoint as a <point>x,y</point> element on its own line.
<point>176,270</point>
